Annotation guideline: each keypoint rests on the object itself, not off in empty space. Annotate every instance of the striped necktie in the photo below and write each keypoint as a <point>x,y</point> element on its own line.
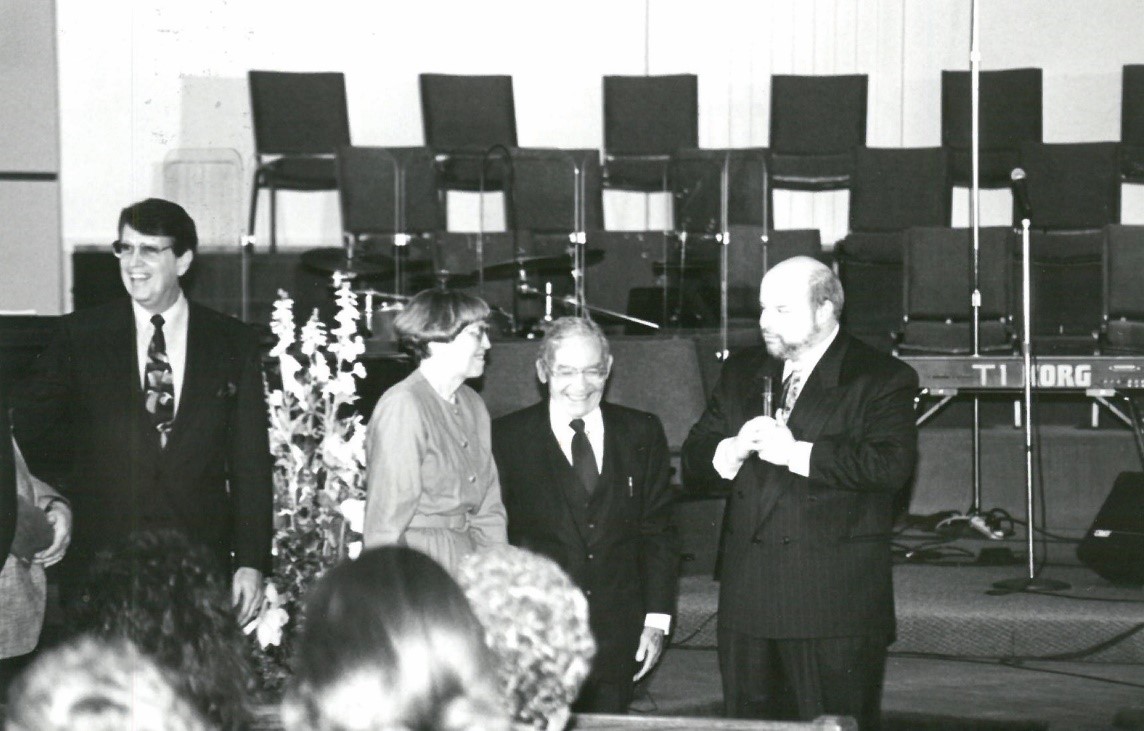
<point>159,383</point>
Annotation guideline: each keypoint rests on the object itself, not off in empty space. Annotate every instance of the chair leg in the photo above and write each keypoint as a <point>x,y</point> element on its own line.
<point>255,187</point>
<point>273,219</point>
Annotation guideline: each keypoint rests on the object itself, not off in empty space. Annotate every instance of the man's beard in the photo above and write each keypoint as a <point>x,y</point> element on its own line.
<point>784,350</point>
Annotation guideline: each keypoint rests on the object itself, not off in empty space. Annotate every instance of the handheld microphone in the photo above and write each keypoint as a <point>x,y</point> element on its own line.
<point>1019,183</point>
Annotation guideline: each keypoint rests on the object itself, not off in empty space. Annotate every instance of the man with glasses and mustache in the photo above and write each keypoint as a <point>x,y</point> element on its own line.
<point>586,484</point>
<point>806,605</point>
<point>149,413</point>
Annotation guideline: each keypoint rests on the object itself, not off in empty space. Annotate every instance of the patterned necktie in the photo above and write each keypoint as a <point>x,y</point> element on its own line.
<point>791,386</point>
<point>583,458</point>
<point>159,383</point>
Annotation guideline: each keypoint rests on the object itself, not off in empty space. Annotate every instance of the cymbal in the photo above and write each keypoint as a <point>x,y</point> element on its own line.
<point>538,265</point>
<point>331,260</point>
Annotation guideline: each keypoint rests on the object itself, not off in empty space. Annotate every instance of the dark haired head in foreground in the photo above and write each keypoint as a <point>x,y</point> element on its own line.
<point>98,685</point>
<point>536,622</point>
<point>167,596</point>
<point>391,643</point>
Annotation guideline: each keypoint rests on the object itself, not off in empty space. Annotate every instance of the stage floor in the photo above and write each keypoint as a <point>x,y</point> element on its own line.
<point>1070,660</point>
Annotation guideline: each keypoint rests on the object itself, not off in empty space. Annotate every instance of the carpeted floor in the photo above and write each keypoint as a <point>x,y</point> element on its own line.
<point>945,610</point>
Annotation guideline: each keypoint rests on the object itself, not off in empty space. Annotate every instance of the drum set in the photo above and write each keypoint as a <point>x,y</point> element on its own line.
<point>552,275</point>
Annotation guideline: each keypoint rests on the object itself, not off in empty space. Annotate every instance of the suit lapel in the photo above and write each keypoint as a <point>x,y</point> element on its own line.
<point>118,352</point>
<point>202,359</point>
<point>819,396</point>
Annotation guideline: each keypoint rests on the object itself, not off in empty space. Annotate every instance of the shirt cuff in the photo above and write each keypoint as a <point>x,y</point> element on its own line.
<point>800,458</point>
<point>658,621</point>
<point>725,462</point>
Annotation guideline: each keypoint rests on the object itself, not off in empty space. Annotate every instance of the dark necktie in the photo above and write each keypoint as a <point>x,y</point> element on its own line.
<point>159,383</point>
<point>583,458</point>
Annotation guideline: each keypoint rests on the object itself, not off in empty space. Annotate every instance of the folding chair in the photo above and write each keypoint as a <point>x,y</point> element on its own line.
<point>1122,329</point>
<point>1010,104</point>
<point>892,190</point>
<point>937,291</point>
<point>816,124</point>
<point>1132,123</point>
<point>300,120</point>
<point>646,119</point>
<point>463,118</point>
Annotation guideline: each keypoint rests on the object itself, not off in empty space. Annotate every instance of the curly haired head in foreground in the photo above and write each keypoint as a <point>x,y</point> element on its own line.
<point>163,593</point>
<point>536,622</point>
<point>98,685</point>
<point>390,643</point>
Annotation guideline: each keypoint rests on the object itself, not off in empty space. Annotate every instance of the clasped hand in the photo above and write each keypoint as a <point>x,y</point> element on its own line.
<point>771,440</point>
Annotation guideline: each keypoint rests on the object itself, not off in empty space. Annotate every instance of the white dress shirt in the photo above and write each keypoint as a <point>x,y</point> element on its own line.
<point>174,333</point>
<point>594,430</point>
<point>727,464</point>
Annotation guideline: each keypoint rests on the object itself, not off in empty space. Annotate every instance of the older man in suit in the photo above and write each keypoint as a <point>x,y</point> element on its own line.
<point>806,605</point>
<point>586,484</point>
<point>150,412</point>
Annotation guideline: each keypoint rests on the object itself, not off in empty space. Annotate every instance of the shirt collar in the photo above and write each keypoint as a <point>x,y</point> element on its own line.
<point>810,358</point>
<point>174,317</point>
<point>593,421</point>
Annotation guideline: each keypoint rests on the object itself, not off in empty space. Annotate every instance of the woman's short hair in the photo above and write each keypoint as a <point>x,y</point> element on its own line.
<point>536,622</point>
<point>158,217</point>
<point>101,685</point>
<point>570,327</point>
<point>390,642</point>
<point>168,596</point>
<point>436,316</point>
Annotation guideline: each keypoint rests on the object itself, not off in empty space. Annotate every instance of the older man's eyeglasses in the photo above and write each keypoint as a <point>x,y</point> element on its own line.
<point>593,373</point>
<point>148,252</point>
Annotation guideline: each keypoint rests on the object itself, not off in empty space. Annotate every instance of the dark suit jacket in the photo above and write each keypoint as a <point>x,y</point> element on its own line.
<point>810,557</point>
<point>81,423</point>
<point>620,545</point>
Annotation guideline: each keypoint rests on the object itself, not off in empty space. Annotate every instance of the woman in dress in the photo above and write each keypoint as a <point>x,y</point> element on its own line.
<point>430,477</point>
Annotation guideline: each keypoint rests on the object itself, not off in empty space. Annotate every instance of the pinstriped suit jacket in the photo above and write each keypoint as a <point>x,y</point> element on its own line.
<point>810,557</point>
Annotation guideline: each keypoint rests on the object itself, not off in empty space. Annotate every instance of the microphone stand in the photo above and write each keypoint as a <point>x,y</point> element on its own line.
<point>974,518</point>
<point>1029,582</point>
<point>725,241</point>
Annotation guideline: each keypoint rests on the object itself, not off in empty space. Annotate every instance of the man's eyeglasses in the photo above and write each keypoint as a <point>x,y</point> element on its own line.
<point>149,252</point>
<point>593,373</point>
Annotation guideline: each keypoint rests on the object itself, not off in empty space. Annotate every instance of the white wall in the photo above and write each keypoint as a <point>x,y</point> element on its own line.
<point>141,79</point>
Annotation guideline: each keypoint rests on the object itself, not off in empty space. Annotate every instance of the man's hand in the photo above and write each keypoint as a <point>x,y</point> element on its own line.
<point>776,445</point>
<point>246,594</point>
<point>651,647</point>
<point>752,435</point>
<point>59,515</point>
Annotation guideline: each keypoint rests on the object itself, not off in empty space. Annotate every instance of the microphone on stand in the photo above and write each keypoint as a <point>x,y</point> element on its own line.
<point>1018,181</point>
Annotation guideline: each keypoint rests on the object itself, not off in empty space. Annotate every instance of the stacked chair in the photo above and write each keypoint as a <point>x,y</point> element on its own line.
<point>892,191</point>
<point>300,120</point>
<point>1074,192</point>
